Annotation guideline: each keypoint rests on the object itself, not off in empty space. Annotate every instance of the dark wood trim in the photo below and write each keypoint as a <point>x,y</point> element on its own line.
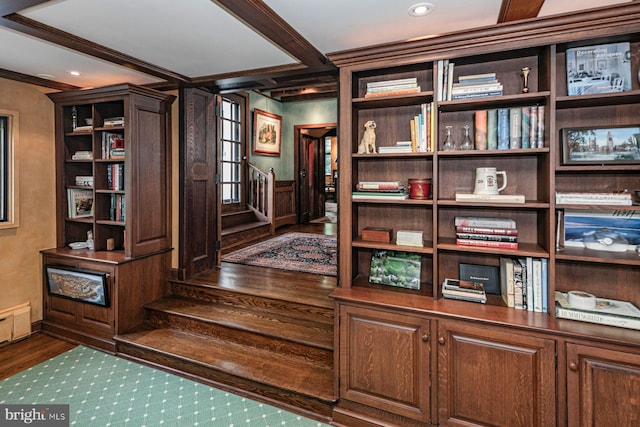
<point>514,10</point>
<point>62,38</point>
<point>257,15</point>
<point>25,78</point>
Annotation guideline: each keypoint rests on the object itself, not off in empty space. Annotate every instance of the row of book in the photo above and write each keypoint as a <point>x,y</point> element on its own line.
<point>116,209</point>
<point>510,128</point>
<point>115,176</point>
<point>486,232</point>
<point>392,87</point>
<point>524,283</point>
<point>112,146</point>
<point>380,190</point>
<point>622,198</point>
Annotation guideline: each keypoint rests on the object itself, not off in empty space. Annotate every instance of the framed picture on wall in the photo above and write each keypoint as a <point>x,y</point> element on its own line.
<point>267,133</point>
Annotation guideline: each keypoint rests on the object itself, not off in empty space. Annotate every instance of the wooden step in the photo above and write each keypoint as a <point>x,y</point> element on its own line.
<point>246,325</point>
<point>297,384</point>
<point>305,298</point>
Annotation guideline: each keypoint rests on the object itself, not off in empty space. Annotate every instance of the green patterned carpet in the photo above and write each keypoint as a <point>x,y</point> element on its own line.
<point>104,390</point>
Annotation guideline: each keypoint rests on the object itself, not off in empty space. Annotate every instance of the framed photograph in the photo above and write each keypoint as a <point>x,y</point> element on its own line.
<point>610,145</point>
<point>267,133</point>
<point>395,268</point>
<point>80,285</point>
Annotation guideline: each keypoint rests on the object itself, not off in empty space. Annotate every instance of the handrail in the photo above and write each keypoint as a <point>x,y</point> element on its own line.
<point>262,193</point>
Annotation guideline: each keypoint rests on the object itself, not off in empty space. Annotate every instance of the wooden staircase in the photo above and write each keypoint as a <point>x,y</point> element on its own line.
<point>263,333</point>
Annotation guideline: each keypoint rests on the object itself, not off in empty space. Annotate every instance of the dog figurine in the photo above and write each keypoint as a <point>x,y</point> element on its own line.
<point>368,143</point>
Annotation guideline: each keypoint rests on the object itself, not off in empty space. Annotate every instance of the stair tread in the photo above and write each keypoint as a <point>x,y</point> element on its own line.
<point>250,319</point>
<point>270,283</point>
<point>289,373</point>
<point>243,227</point>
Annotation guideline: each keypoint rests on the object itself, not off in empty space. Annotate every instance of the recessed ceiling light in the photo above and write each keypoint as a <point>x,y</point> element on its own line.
<point>420,9</point>
<point>75,73</point>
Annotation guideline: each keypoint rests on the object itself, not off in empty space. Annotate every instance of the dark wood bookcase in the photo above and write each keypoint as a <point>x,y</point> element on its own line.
<point>130,222</point>
<point>371,316</point>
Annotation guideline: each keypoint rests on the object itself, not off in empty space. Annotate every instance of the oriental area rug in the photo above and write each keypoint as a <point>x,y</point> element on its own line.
<point>86,387</point>
<point>303,252</point>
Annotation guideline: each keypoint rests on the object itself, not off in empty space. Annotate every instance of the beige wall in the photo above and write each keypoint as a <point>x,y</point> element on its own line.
<point>20,261</point>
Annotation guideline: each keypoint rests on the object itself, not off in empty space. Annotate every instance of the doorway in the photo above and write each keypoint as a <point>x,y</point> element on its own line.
<point>313,169</point>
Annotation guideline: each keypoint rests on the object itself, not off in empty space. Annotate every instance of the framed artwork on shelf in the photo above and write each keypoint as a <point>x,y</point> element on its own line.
<point>607,145</point>
<point>80,285</point>
<point>267,133</point>
<point>600,68</point>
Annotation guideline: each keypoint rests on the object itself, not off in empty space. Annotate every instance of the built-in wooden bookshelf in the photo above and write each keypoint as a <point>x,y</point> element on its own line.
<point>376,317</point>
<point>117,140</point>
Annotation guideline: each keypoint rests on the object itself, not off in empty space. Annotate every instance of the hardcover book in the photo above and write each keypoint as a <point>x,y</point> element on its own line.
<point>600,68</point>
<point>488,275</point>
<point>606,312</point>
<point>395,268</point>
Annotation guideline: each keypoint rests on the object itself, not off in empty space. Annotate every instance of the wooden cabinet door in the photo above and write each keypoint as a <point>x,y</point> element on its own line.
<point>603,387</point>
<point>384,361</point>
<point>493,376</point>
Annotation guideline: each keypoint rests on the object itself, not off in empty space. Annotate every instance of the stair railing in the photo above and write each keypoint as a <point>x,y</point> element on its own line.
<point>262,194</point>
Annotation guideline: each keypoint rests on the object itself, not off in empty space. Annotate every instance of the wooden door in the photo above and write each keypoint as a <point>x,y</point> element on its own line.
<point>603,387</point>
<point>199,207</point>
<point>384,361</point>
<point>490,376</point>
<point>307,177</point>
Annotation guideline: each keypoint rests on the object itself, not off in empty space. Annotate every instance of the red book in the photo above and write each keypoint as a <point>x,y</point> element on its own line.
<point>487,244</point>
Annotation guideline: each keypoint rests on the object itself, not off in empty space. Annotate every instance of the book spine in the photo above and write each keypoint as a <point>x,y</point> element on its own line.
<point>459,90</point>
<point>545,284</point>
<point>481,129</point>
<point>486,244</point>
<point>391,93</point>
<point>526,127</point>
<point>518,293</point>
<point>515,127</point>
<point>537,285</point>
<point>533,126</point>
<point>602,319</point>
<point>506,281</point>
<point>487,237</point>
<point>530,293</point>
<point>503,128</point>
<point>380,186</point>
<point>483,76</point>
<point>540,134</point>
<point>487,230</point>
<point>449,80</point>
<point>464,298</point>
<point>459,96</point>
<point>485,222</point>
<point>492,129</point>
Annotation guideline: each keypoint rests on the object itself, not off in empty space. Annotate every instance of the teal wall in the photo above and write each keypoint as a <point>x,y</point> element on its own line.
<point>293,114</point>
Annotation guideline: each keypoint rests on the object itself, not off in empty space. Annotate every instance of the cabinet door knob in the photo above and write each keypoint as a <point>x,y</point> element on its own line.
<point>573,366</point>
<point>425,338</point>
<point>441,340</point>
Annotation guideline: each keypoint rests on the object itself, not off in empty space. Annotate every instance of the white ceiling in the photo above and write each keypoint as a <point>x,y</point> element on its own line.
<point>197,38</point>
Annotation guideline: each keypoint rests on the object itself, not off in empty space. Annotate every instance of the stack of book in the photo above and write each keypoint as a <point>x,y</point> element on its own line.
<point>380,190</point>
<point>84,181</point>
<point>112,146</point>
<point>82,155</point>
<point>400,147</point>
<point>114,121</point>
<point>476,86</point>
<point>617,199</point>
<point>524,283</point>
<point>409,238</point>
<point>392,87</point>
<point>604,312</point>
<point>463,290</point>
<point>509,128</point>
<point>486,232</point>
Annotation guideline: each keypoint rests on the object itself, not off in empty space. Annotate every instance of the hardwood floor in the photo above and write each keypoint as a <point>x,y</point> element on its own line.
<point>37,348</point>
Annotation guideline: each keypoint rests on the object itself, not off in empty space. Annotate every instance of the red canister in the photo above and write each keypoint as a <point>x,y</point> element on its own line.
<point>420,188</point>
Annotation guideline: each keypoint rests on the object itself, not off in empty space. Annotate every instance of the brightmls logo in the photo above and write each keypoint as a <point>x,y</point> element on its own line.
<point>34,415</point>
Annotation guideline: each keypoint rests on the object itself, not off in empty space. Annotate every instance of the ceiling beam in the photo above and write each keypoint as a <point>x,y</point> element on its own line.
<point>25,78</point>
<point>44,32</point>
<point>514,10</point>
<point>262,19</point>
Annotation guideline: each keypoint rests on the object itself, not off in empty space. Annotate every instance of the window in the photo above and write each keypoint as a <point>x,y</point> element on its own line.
<point>232,137</point>
<point>8,169</point>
